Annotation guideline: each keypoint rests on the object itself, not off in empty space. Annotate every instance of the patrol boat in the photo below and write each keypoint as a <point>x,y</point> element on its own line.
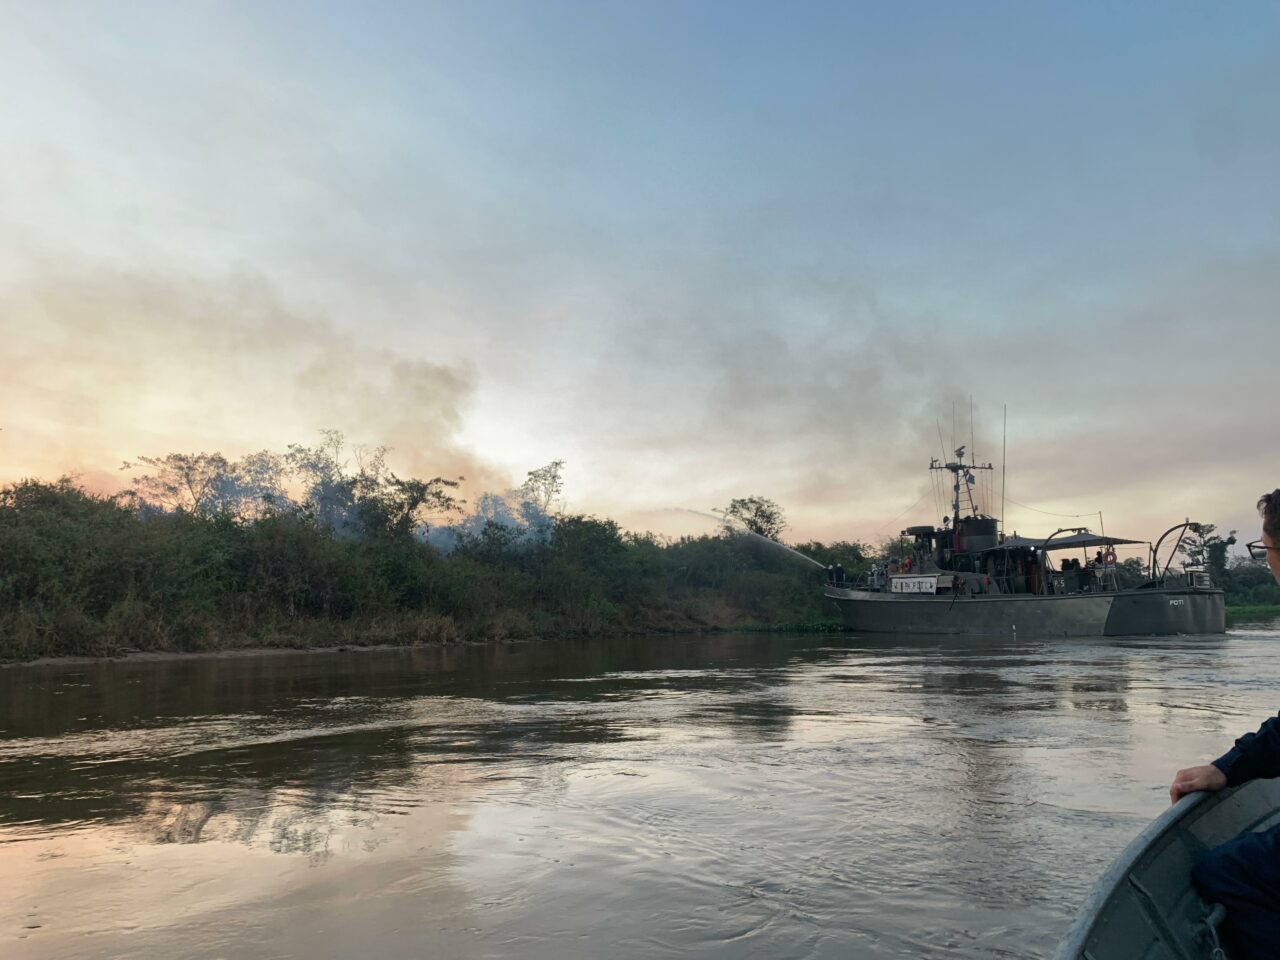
<point>966,577</point>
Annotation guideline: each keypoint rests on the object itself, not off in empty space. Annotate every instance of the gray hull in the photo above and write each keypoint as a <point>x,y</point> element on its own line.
<point>1166,612</point>
<point>1144,905</point>
<point>1128,613</point>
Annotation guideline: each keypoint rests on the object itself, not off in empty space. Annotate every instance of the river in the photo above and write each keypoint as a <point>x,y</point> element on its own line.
<point>728,796</point>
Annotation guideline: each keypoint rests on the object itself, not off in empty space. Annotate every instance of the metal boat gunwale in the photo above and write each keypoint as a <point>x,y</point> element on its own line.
<point>1074,943</point>
<point>1147,890</point>
<point>847,593</point>
<point>947,600</point>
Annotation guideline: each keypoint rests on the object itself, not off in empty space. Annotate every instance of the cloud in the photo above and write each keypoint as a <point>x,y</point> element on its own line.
<point>705,296</point>
<point>105,364</point>
<point>1148,405</point>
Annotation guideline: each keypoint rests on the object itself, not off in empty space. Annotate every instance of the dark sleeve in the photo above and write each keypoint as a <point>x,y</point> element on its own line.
<point>1255,755</point>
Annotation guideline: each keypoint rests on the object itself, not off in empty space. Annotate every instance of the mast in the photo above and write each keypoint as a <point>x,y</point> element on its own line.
<point>961,474</point>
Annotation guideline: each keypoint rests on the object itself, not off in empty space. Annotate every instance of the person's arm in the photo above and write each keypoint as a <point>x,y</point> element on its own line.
<point>1254,756</point>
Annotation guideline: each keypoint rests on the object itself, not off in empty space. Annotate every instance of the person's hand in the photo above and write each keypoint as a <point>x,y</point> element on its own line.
<point>1192,779</point>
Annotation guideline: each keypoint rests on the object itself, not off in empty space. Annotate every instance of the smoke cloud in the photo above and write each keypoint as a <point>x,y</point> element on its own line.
<point>103,366</point>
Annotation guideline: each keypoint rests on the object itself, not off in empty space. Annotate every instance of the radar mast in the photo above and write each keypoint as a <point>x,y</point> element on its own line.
<point>962,482</point>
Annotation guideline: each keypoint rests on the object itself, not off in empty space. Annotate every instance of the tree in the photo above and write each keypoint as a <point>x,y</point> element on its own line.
<point>403,506</point>
<point>328,493</point>
<point>853,555</point>
<point>259,487</point>
<point>1131,572</point>
<point>1249,581</point>
<point>333,496</point>
<point>370,499</point>
<point>757,514</point>
<point>208,484</point>
<point>1204,548</point>
<point>543,485</point>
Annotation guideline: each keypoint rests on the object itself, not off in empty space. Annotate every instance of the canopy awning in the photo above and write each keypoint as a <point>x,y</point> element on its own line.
<point>1077,540</point>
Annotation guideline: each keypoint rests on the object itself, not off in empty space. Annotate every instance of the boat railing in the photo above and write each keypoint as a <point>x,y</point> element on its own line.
<point>1194,579</point>
<point>1098,578</point>
<point>1101,580</point>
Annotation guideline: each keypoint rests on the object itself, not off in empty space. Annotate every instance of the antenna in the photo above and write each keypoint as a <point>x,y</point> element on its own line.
<point>973,447</point>
<point>1004,462</point>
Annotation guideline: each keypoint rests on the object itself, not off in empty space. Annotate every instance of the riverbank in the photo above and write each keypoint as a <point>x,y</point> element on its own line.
<point>85,575</point>
<point>1253,613</point>
<point>354,640</point>
<point>154,641</point>
<point>246,653</point>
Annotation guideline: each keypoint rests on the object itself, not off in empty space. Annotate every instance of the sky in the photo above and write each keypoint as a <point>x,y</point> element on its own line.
<point>696,250</point>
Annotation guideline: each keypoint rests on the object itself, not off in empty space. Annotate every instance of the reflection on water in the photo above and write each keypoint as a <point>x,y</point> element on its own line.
<point>730,796</point>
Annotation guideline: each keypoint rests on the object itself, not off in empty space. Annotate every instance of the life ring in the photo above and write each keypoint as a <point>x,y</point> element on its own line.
<point>906,565</point>
<point>1109,558</point>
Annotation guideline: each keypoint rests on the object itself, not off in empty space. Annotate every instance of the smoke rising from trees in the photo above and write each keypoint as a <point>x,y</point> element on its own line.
<point>348,491</point>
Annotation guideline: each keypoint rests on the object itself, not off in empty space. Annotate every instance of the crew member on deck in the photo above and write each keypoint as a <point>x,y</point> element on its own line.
<point>1244,873</point>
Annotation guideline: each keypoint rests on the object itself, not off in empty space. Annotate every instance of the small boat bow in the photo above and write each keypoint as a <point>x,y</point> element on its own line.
<point>1145,906</point>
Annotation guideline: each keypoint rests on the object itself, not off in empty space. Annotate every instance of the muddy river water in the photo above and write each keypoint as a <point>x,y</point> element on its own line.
<point>729,796</point>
